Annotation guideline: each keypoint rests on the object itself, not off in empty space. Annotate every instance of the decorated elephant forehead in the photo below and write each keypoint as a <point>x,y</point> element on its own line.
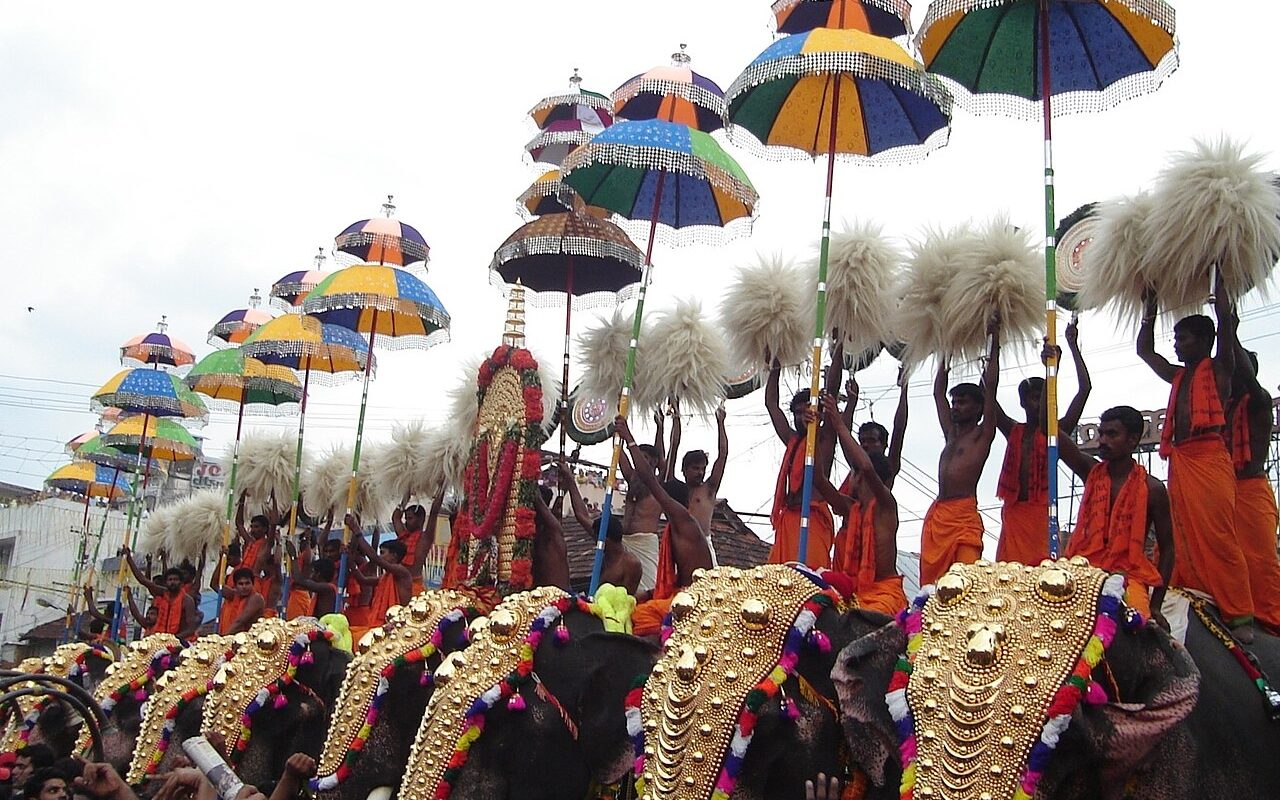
<point>68,658</point>
<point>990,654</point>
<point>411,635</point>
<point>184,682</point>
<point>130,675</point>
<point>267,655</point>
<point>728,633</point>
<point>470,681</point>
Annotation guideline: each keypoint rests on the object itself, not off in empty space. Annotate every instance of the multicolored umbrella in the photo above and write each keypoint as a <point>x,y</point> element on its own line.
<point>157,349</point>
<point>161,439</point>
<point>559,139</point>
<point>87,480</point>
<point>75,444</point>
<point>289,292</point>
<point>578,104</point>
<point>383,240</point>
<point>669,176</point>
<point>547,195</point>
<point>570,258</point>
<point>1041,59</point>
<point>236,325</point>
<point>888,18</point>
<point>150,392</point>
<point>673,93</point>
<point>837,93</point>
<point>96,451</point>
<point>302,343</point>
<point>376,301</point>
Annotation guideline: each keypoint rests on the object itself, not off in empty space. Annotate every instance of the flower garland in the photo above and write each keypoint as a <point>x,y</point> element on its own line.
<point>802,632</point>
<point>1078,686</point>
<point>170,723</point>
<point>330,782</point>
<point>508,688</point>
<point>299,654</point>
<point>485,504</point>
<point>161,662</point>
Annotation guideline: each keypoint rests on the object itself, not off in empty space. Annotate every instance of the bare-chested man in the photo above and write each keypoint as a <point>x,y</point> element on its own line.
<point>952,527</point>
<point>1024,475</point>
<point>620,567</point>
<point>873,437</point>
<point>642,515</point>
<point>1250,418</point>
<point>871,520</point>
<point>701,488</point>
<point>787,514</point>
<point>1202,482</point>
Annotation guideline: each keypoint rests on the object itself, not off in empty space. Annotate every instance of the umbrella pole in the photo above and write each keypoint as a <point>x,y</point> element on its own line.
<point>355,468</point>
<point>624,399</point>
<point>564,367</point>
<point>75,580</point>
<point>819,331</point>
<point>297,471</point>
<point>1050,286</point>
<point>231,500</point>
<point>102,527</point>
<point>117,624</point>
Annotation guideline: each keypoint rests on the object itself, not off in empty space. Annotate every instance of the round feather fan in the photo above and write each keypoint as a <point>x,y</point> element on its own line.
<point>862,269</point>
<point>686,358</point>
<point>935,259</point>
<point>768,312</point>
<point>1001,272</point>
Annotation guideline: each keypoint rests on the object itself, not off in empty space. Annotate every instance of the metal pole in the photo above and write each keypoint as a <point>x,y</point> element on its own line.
<point>624,399</point>
<point>231,500</point>
<point>355,468</point>
<point>1050,285</point>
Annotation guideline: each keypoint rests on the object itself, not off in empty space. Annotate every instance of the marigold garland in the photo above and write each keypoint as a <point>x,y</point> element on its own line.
<point>1078,686</point>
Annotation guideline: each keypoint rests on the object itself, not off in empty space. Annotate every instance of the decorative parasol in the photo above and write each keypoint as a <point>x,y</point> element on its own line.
<point>289,292</point>
<point>376,301</point>
<point>75,444</point>
<point>569,258</point>
<point>547,195</point>
<point>578,104</point>
<point>1037,59</point>
<point>87,480</point>
<point>888,18</point>
<point>671,177</point>
<point>302,343</point>
<point>559,139</point>
<point>157,349</point>
<point>163,439</point>
<point>383,240</point>
<point>673,93</point>
<point>837,92</point>
<point>236,325</point>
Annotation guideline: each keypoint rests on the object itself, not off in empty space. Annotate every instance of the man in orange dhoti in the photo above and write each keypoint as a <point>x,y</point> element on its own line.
<point>393,588</point>
<point>952,528</point>
<point>1121,502</point>
<point>682,547</point>
<point>241,605</point>
<point>1024,477</point>
<point>866,549</point>
<point>1202,483</point>
<point>786,514</point>
<point>1250,419</point>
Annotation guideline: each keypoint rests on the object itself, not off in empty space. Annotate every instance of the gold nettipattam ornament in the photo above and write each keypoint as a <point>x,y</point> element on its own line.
<point>499,643</point>
<point>997,641</point>
<point>407,634</point>
<point>13,723</point>
<point>729,628</point>
<point>187,680</point>
<point>264,657</point>
<point>127,674</point>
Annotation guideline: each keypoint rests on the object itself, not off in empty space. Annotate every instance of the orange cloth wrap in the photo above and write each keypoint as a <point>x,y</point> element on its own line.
<point>1037,475</point>
<point>1256,520</point>
<point>952,533</point>
<point>786,537</point>
<point>231,609</point>
<point>301,604</point>
<point>1113,536</point>
<point>666,582</point>
<point>1202,497</point>
<point>1024,532</point>
<point>1206,405</point>
<point>1138,596</point>
<point>169,613</point>
<point>1238,433</point>
<point>646,620</point>
<point>885,596</point>
<point>855,554</point>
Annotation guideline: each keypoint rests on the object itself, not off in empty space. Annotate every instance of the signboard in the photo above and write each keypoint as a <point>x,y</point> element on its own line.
<point>1086,435</point>
<point>208,475</point>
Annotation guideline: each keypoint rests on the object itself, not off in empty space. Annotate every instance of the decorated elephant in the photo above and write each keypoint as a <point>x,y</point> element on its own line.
<point>385,692</point>
<point>124,690</point>
<point>273,697</point>
<point>1145,721</point>
<point>42,718</point>
<point>538,697</point>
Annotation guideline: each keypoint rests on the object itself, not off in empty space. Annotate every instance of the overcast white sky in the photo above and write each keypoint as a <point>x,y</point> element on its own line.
<point>167,159</point>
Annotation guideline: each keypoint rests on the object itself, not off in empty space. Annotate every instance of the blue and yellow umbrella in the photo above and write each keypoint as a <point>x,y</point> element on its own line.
<point>150,392</point>
<point>88,480</point>
<point>888,18</point>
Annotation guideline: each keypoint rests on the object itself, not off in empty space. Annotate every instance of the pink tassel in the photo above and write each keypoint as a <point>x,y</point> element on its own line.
<point>280,702</point>
<point>820,641</point>
<point>790,709</point>
<point>516,703</point>
<point>562,634</point>
<point>308,658</point>
<point>140,696</point>
<point>1094,695</point>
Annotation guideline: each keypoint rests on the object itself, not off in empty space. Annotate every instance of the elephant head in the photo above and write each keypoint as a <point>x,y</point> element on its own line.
<point>273,697</point>
<point>387,686</point>
<point>539,695</point>
<point>961,678</point>
<point>55,722</point>
<point>124,689</point>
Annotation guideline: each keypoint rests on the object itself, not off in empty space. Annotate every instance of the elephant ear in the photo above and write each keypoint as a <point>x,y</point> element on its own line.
<point>861,677</point>
<point>1158,686</point>
<point>614,662</point>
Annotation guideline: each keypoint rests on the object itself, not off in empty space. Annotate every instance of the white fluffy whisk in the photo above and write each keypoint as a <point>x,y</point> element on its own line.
<point>1213,207</point>
<point>768,312</point>
<point>862,269</point>
<point>1001,272</point>
<point>1117,264</point>
<point>402,467</point>
<point>449,445</point>
<point>935,260</point>
<point>198,525</point>
<point>602,353</point>
<point>686,358</point>
<point>325,484</point>
<point>266,468</point>
<point>156,530</point>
